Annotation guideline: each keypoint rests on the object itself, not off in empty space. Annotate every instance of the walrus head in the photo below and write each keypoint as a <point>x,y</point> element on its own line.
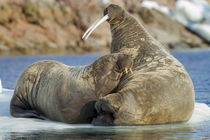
<point>128,35</point>
<point>114,14</point>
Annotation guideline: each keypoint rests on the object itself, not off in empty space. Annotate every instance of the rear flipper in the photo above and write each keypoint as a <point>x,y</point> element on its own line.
<point>104,119</point>
<point>106,108</point>
<point>20,110</point>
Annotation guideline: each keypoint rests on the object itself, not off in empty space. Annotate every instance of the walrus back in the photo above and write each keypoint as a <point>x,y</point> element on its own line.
<point>62,93</point>
<point>27,93</point>
<point>156,94</point>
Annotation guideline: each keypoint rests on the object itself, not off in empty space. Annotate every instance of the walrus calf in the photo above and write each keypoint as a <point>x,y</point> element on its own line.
<point>66,93</point>
<point>158,91</point>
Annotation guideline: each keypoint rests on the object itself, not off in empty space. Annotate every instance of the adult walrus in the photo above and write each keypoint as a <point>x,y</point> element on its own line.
<point>66,93</point>
<point>158,91</point>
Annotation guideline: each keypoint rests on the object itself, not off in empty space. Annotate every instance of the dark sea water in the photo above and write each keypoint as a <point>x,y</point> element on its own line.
<point>197,64</point>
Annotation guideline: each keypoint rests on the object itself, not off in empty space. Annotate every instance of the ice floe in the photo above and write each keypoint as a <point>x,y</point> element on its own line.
<point>0,86</point>
<point>11,124</point>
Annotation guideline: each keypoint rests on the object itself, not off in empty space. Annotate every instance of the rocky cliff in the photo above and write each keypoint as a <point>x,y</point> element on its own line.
<point>38,27</point>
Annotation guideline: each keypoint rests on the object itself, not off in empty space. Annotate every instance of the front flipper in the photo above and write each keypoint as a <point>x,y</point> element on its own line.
<point>20,109</point>
<point>19,113</point>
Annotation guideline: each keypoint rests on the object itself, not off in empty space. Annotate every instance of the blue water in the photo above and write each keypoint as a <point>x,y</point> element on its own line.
<point>197,64</point>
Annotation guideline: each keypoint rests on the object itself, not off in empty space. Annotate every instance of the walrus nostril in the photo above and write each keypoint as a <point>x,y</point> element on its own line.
<point>106,11</point>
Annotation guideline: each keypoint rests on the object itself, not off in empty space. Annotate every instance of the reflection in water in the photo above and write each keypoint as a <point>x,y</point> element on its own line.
<point>171,131</point>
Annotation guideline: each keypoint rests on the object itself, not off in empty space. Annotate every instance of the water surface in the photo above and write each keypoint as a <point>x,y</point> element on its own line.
<point>197,64</point>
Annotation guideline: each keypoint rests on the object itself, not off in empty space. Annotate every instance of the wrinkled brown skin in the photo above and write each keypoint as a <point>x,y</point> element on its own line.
<point>158,91</point>
<point>66,93</point>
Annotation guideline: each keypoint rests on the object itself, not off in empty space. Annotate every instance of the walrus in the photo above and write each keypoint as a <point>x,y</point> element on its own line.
<point>159,90</point>
<point>67,93</point>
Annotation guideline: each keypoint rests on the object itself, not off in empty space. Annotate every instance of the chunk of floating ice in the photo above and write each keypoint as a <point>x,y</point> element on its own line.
<point>11,124</point>
<point>0,86</point>
<point>201,113</point>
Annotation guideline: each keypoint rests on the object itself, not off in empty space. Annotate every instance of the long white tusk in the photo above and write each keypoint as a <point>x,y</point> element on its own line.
<point>94,26</point>
<point>90,28</point>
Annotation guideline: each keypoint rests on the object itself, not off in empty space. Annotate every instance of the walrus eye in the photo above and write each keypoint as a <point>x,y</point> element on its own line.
<point>94,26</point>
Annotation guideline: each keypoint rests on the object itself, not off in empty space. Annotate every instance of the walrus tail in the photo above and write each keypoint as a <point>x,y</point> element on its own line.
<point>20,109</point>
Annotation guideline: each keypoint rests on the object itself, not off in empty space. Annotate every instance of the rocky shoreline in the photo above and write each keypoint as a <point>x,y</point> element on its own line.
<point>44,27</point>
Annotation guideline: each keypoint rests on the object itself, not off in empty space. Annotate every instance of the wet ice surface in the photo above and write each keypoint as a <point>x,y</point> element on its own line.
<point>11,124</point>
<point>197,64</point>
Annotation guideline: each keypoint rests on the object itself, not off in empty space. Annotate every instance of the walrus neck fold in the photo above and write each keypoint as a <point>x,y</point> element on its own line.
<point>128,34</point>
